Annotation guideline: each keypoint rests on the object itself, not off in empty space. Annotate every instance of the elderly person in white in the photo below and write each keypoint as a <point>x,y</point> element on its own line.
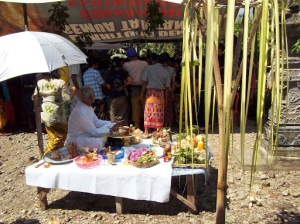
<point>84,128</point>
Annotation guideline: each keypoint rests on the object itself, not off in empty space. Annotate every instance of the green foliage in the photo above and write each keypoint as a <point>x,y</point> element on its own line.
<point>83,40</point>
<point>171,48</point>
<point>58,17</point>
<point>296,47</point>
<point>294,8</point>
<point>238,24</point>
<point>154,18</point>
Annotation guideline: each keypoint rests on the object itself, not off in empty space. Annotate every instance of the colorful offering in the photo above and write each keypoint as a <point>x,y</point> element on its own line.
<point>143,157</point>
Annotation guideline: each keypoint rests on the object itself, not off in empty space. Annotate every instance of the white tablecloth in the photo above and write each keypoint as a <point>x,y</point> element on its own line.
<point>151,184</point>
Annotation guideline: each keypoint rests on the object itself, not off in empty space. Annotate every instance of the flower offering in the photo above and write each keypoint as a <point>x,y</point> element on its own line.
<point>192,150</point>
<point>143,157</point>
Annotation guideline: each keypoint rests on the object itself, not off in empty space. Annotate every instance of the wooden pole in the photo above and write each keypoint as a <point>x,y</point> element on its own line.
<point>222,173</point>
<point>119,205</point>
<point>25,16</point>
<point>38,122</point>
<point>42,196</point>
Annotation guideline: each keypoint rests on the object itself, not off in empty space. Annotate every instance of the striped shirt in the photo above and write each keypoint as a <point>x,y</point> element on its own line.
<point>92,78</point>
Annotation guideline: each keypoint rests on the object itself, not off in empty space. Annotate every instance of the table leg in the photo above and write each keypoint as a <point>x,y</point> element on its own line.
<point>119,205</point>
<point>191,206</point>
<point>191,192</point>
<point>190,199</point>
<point>42,196</point>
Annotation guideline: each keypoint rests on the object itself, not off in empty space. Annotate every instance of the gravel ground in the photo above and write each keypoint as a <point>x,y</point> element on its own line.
<point>275,194</point>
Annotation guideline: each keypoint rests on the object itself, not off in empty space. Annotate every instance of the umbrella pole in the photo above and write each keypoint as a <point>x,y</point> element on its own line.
<point>38,122</point>
<point>25,16</point>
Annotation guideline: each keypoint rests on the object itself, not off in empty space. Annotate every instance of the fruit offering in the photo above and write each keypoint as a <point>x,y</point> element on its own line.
<point>161,137</point>
<point>192,150</point>
<point>167,153</point>
<point>88,156</point>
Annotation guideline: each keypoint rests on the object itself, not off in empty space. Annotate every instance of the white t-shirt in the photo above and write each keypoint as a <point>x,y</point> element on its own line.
<point>135,69</point>
<point>75,69</point>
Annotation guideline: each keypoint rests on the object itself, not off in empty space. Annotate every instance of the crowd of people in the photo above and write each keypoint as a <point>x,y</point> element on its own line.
<point>82,106</point>
<point>132,92</point>
<point>82,103</point>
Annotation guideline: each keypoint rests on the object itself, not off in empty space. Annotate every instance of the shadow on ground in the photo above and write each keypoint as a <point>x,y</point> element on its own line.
<point>27,221</point>
<point>287,217</point>
<point>205,200</point>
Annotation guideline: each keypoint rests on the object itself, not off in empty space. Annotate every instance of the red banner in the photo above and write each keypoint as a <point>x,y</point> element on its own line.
<point>105,20</point>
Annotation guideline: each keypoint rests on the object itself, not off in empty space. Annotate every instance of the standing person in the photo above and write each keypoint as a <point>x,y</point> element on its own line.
<point>117,82</point>
<point>54,93</point>
<point>157,80</point>
<point>9,107</point>
<point>177,67</point>
<point>75,82</point>
<point>135,69</point>
<point>93,78</point>
<point>28,86</point>
<point>84,128</point>
<point>169,106</point>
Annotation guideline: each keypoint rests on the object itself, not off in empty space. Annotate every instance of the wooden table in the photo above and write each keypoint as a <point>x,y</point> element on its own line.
<point>189,200</point>
<point>191,184</point>
<point>104,179</point>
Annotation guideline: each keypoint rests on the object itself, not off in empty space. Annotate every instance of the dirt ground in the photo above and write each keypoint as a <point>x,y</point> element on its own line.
<point>277,194</point>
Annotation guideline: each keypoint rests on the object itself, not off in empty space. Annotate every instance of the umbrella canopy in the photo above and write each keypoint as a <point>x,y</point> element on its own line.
<point>33,52</point>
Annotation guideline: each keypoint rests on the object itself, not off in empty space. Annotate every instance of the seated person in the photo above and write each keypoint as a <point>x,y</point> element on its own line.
<point>84,128</point>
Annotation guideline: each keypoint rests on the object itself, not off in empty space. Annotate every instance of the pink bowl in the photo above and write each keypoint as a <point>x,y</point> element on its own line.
<point>87,165</point>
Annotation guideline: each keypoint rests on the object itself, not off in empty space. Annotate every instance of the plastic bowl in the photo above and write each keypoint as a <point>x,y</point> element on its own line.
<point>118,157</point>
<point>87,165</point>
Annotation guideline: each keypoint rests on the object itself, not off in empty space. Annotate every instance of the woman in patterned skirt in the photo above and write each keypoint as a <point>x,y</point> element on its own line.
<point>157,80</point>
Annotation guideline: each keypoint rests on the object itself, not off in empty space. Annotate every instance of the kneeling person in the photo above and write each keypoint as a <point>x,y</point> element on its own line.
<point>84,128</point>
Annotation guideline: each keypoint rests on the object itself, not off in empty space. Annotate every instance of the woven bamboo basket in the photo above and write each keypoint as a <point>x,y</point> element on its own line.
<point>145,165</point>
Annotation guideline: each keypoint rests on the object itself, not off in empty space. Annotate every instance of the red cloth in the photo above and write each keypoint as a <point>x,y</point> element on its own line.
<point>10,112</point>
<point>154,108</point>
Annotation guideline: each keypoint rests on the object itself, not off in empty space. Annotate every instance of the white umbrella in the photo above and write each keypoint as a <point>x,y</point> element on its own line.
<point>33,52</point>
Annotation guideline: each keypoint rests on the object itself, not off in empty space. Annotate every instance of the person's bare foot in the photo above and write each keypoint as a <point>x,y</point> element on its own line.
<point>145,136</point>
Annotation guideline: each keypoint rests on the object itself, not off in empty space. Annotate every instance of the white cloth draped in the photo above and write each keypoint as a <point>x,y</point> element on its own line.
<point>151,184</point>
<point>85,129</point>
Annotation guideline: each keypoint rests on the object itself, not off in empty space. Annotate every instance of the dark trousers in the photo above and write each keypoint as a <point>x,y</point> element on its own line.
<point>100,109</point>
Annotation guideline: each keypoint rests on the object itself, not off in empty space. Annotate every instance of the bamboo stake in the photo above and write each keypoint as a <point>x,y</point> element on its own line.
<point>225,129</point>
<point>239,75</point>
<point>243,95</point>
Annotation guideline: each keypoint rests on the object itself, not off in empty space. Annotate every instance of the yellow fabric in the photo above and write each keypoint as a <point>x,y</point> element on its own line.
<point>3,119</point>
<point>64,74</point>
<point>56,136</point>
